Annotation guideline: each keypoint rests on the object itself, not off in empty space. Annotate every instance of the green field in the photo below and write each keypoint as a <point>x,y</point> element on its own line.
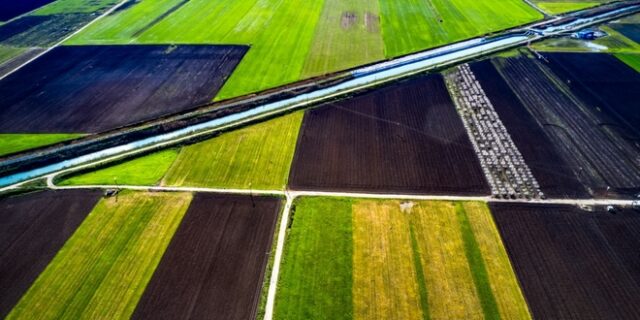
<point>258,156</point>
<point>103,269</point>
<point>403,260</point>
<point>316,268</point>
<point>412,25</point>
<point>291,40</point>
<point>348,34</point>
<point>145,171</point>
<point>10,143</point>
<point>556,7</point>
<point>633,60</point>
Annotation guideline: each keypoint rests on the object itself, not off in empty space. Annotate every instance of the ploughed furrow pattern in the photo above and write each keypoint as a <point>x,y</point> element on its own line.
<point>215,263</point>
<point>607,85</point>
<point>556,177</point>
<point>33,227</point>
<point>605,159</point>
<point>96,88</point>
<point>502,163</point>
<point>405,137</point>
<point>573,264</point>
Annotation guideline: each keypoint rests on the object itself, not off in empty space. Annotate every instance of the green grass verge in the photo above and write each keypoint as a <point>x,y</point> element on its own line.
<point>553,7</point>
<point>10,142</point>
<point>258,156</point>
<point>633,60</point>
<point>411,25</point>
<point>147,170</point>
<point>316,269</point>
<point>103,269</point>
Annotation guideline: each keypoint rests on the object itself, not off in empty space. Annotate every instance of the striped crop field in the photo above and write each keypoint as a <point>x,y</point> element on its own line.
<point>382,259</point>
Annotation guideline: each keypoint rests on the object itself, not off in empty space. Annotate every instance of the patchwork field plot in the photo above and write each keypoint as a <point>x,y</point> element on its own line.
<point>102,270</point>
<point>33,227</point>
<point>294,40</point>
<point>258,156</point>
<point>12,9</point>
<point>96,88</point>
<point>405,137</point>
<point>431,260</point>
<point>23,36</point>
<point>555,175</point>
<point>215,261</point>
<point>591,134</point>
<point>573,264</point>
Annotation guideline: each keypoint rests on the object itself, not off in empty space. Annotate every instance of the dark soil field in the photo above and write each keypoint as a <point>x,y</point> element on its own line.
<point>10,8</point>
<point>33,227</point>
<point>573,264</point>
<point>555,176</point>
<point>604,156</point>
<point>631,31</point>
<point>214,265</point>
<point>606,84</point>
<point>406,137</point>
<point>95,88</point>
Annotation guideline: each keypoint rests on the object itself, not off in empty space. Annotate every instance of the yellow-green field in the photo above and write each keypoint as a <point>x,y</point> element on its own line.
<point>258,156</point>
<point>408,260</point>
<point>102,270</point>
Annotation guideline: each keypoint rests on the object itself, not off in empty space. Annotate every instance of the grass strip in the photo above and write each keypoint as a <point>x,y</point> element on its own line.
<point>477,267</point>
<point>422,287</point>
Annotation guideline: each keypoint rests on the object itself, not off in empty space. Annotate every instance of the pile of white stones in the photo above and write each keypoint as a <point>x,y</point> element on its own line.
<point>508,175</point>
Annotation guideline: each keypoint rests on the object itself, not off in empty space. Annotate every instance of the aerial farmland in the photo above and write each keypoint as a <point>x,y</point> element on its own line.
<point>279,159</point>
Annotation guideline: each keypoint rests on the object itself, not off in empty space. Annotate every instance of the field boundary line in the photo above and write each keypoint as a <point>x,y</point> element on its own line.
<point>275,271</point>
<point>355,195</point>
<point>57,44</point>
